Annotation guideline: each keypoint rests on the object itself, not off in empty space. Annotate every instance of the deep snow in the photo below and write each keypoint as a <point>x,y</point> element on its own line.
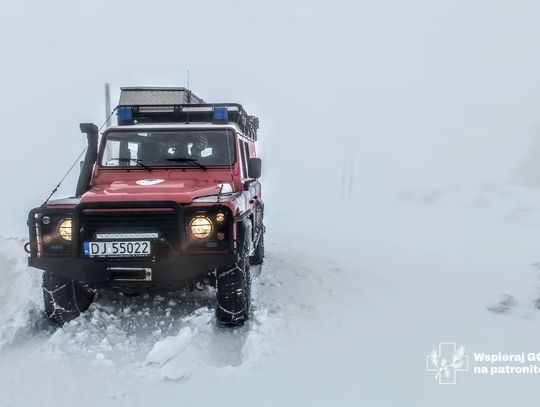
<point>344,317</point>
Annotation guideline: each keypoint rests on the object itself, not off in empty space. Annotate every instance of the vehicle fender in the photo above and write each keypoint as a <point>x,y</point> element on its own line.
<point>257,220</point>
<point>244,241</point>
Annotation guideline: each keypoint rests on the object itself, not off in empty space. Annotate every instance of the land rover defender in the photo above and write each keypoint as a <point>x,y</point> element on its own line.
<point>168,198</point>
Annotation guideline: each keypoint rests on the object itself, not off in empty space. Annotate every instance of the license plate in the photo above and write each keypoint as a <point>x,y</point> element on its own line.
<point>117,249</point>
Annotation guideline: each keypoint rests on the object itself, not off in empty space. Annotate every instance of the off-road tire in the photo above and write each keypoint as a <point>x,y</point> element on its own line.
<point>64,299</point>
<point>233,290</point>
<point>258,255</point>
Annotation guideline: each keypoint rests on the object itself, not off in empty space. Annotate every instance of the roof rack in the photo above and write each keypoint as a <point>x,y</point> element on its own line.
<point>166,105</point>
<point>147,95</point>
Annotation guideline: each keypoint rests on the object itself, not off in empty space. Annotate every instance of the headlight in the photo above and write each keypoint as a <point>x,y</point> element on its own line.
<point>64,228</point>
<point>200,227</point>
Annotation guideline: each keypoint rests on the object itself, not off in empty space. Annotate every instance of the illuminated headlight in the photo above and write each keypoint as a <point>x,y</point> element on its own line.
<point>220,217</point>
<point>200,227</point>
<point>64,228</point>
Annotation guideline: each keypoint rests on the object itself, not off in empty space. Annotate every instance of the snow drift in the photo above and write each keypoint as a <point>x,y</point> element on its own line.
<point>20,294</point>
<point>340,317</point>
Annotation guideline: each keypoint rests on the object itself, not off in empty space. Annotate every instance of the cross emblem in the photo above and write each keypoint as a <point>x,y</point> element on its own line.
<point>445,362</point>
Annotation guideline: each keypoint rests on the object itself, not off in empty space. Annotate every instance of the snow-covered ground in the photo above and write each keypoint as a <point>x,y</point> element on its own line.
<point>346,308</point>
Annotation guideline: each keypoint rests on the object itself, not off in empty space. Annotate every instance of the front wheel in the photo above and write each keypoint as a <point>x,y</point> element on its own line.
<point>233,287</point>
<point>64,299</point>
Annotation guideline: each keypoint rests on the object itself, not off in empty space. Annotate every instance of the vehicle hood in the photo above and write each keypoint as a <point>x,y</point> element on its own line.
<point>181,191</point>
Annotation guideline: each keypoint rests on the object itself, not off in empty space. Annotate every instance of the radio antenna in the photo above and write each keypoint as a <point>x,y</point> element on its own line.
<point>188,96</point>
<point>188,88</point>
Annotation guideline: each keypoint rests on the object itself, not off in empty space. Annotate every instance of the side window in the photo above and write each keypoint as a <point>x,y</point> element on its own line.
<point>243,158</point>
<point>246,155</point>
<point>246,146</point>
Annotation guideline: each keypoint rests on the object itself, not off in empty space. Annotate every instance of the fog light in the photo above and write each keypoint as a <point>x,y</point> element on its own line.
<point>47,239</point>
<point>64,228</point>
<point>220,217</point>
<point>200,227</point>
<point>220,236</point>
<point>46,220</point>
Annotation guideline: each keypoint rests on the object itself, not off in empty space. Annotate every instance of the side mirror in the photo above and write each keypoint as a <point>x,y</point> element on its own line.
<point>254,168</point>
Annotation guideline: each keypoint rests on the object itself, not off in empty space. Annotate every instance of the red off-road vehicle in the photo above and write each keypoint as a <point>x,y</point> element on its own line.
<point>166,199</point>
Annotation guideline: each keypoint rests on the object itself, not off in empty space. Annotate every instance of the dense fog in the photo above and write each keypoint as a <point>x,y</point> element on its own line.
<point>415,94</point>
<point>400,145</point>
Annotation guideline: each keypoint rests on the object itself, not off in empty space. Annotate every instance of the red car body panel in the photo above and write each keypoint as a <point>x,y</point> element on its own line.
<point>181,186</point>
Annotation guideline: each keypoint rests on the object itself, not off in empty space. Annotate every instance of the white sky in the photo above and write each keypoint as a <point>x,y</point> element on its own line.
<point>424,93</point>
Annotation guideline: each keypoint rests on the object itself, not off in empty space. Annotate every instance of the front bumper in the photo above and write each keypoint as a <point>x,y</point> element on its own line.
<point>175,259</point>
<point>171,271</point>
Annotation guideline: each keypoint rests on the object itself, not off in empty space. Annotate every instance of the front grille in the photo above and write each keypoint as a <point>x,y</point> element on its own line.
<point>165,222</point>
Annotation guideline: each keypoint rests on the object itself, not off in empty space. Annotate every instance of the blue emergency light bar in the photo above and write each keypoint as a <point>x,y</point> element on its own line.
<point>221,114</point>
<point>125,115</point>
<point>155,105</point>
<point>179,105</point>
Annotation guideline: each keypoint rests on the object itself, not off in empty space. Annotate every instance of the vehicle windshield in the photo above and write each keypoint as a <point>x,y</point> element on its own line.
<point>169,148</point>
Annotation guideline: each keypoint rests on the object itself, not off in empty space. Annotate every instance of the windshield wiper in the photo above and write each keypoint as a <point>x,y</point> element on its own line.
<point>135,160</point>
<point>187,160</point>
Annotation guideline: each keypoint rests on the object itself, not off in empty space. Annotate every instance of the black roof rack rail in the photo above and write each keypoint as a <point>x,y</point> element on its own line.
<point>179,105</point>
